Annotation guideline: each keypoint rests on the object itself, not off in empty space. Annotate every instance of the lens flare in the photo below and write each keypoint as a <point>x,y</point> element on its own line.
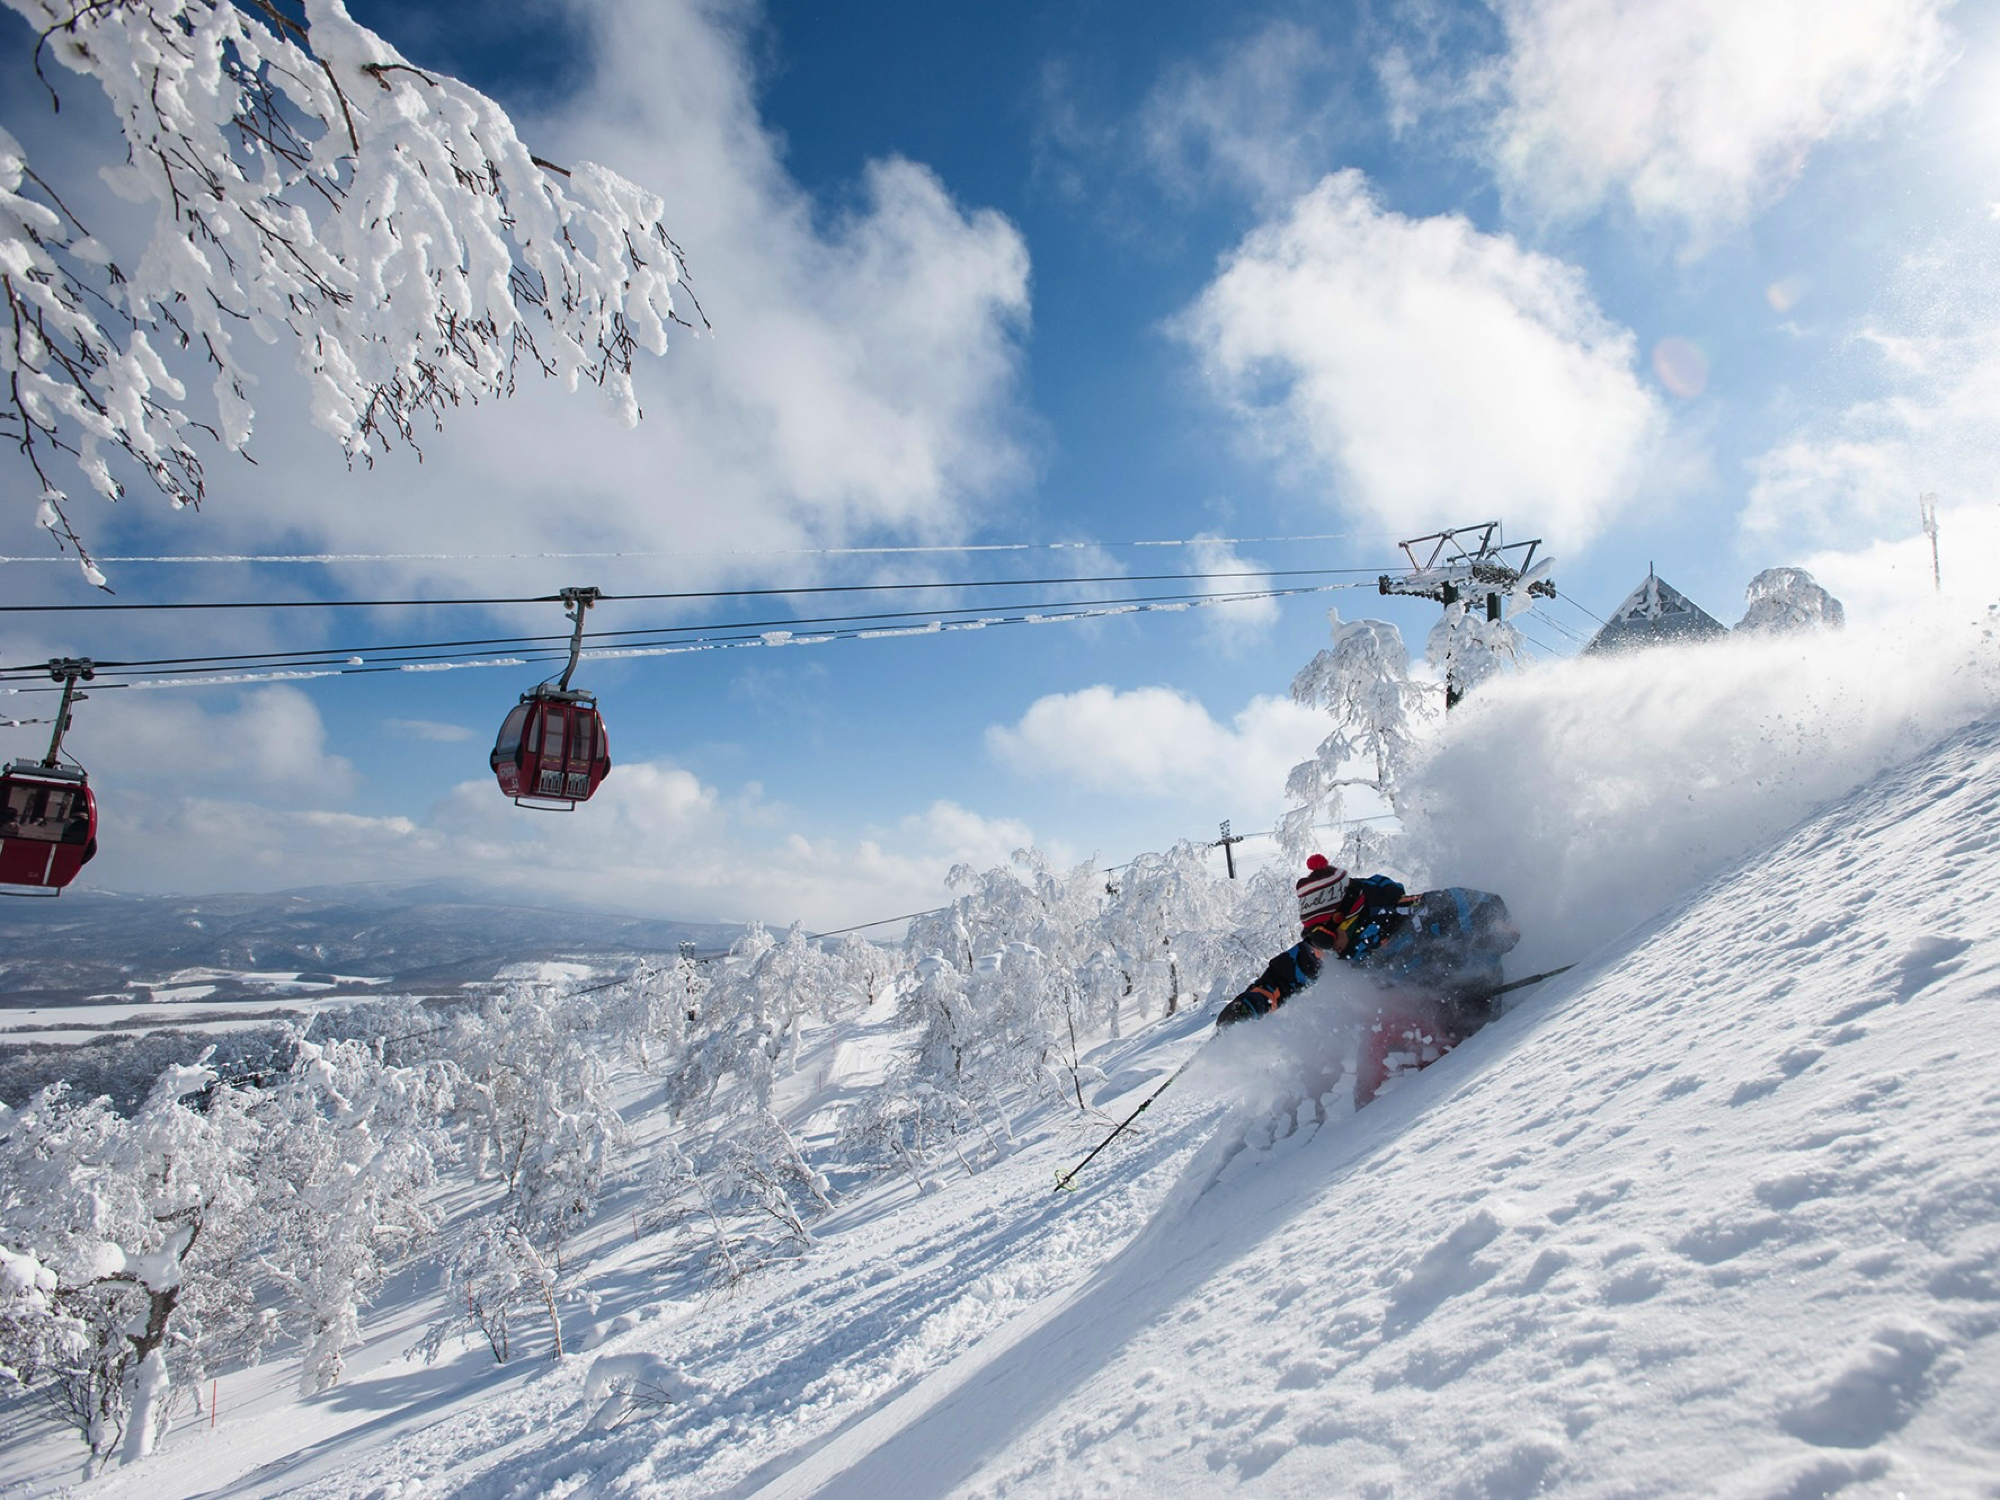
<point>1784,295</point>
<point>1682,368</point>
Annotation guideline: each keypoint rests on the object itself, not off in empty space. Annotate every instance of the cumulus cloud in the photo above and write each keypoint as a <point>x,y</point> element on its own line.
<point>655,840</point>
<point>160,840</point>
<point>1696,112</point>
<point>1232,627</point>
<point>1428,366</point>
<point>861,375</point>
<point>1257,120</point>
<point>429,729</point>
<point>269,741</point>
<point>1157,742</point>
<point>1906,572</point>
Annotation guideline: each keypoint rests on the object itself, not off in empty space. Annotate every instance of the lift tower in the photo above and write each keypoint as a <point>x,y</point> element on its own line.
<point>1465,562</point>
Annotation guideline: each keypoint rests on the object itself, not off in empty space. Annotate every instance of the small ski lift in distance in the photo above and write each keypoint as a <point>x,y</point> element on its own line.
<point>551,752</point>
<point>48,817</point>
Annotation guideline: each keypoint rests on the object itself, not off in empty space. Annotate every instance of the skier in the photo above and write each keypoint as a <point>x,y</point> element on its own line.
<point>1436,955</point>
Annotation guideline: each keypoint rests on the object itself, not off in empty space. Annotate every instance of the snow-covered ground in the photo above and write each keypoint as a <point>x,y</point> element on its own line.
<point>1714,1214</point>
<point>256,998</point>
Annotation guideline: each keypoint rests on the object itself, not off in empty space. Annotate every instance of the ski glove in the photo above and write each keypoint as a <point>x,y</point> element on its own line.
<point>1239,1009</point>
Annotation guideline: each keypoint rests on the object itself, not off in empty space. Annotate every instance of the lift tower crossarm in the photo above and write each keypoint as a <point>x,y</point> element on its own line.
<point>1469,560</point>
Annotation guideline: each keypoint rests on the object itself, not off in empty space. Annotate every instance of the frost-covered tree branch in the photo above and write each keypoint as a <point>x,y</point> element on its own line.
<point>1469,649</point>
<point>1379,714</point>
<point>314,190</point>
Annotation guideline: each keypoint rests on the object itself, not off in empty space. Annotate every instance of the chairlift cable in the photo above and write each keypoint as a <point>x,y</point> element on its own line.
<point>1554,624</point>
<point>1571,601</point>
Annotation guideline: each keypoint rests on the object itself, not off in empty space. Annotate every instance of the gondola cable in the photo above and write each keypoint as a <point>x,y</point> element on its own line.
<point>415,656</point>
<point>687,594</point>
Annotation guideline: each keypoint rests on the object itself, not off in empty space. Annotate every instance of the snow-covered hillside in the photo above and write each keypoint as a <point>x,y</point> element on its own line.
<point>1713,1214</point>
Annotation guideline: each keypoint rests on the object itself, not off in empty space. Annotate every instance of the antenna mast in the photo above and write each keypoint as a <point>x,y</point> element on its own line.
<point>1927,508</point>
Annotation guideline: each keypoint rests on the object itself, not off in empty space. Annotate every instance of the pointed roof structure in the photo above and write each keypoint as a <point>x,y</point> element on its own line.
<point>1655,613</point>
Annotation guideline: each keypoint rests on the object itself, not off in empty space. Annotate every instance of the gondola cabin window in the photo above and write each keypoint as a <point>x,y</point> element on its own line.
<point>38,812</point>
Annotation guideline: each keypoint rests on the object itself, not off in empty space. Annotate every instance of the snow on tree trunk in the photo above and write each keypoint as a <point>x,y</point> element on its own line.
<point>314,189</point>
<point>1469,648</point>
<point>151,1387</point>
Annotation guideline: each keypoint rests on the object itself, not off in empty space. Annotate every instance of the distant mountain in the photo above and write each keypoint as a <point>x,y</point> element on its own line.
<point>422,938</point>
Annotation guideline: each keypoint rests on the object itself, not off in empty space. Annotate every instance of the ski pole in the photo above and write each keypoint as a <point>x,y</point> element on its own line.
<point>1066,1181</point>
<point>1519,984</point>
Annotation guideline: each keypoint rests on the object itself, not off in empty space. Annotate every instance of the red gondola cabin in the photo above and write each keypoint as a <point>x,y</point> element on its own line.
<point>48,826</point>
<point>552,751</point>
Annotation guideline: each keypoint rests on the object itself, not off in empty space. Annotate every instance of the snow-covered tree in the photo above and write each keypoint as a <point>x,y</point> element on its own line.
<point>1467,648</point>
<point>36,1335</point>
<point>1021,902</point>
<point>145,1225</point>
<point>310,188</point>
<point>348,1157</point>
<point>974,1036</point>
<point>1379,715</point>
<point>1036,1025</point>
<point>534,1090</point>
<point>536,1094</point>
<point>1169,926</point>
<point>1781,600</point>
<point>735,1170</point>
<point>1026,995</point>
<point>865,971</point>
<point>748,1027</point>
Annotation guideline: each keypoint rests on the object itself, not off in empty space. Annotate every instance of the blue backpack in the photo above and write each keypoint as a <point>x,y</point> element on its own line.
<point>1449,942</point>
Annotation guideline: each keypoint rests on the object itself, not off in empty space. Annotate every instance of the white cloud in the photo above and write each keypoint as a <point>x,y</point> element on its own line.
<point>1900,576</point>
<point>861,376</point>
<point>1436,370</point>
<point>271,741</point>
<point>1232,627</point>
<point>945,828</point>
<point>1156,742</point>
<point>1258,120</point>
<point>178,840</point>
<point>1856,476</point>
<point>1697,112</point>
<point>655,839</point>
<point>429,729</point>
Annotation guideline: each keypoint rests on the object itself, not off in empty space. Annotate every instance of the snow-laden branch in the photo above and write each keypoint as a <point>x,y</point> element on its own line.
<point>312,189</point>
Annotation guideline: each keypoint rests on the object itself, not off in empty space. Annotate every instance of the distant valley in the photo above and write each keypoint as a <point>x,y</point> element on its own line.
<point>91,949</point>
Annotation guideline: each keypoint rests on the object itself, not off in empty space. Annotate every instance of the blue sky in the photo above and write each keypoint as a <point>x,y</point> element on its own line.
<point>1703,287</point>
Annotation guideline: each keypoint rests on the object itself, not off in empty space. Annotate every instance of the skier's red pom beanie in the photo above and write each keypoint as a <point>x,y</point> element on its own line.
<point>1320,890</point>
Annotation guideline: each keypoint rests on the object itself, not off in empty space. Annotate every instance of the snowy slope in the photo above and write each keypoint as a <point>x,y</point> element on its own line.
<point>1718,1218</point>
<point>1715,1214</point>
